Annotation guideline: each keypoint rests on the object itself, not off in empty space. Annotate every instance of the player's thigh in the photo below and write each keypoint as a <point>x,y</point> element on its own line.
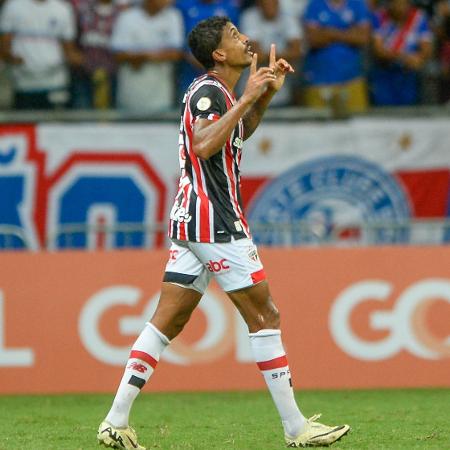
<point>175,306</point>
<point>239,271</point>
<point>235,265</point>
<point>185,280</point>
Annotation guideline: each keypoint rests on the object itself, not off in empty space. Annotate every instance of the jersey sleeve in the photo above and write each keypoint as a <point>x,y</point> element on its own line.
<point>208,102</point>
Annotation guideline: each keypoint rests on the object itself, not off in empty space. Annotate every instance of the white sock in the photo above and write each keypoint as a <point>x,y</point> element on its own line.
<point>142,361</point>
<point>271,359</point>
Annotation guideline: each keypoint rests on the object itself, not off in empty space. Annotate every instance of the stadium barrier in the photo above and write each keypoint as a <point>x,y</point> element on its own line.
<point>351,318</point>
<point>290,234</point>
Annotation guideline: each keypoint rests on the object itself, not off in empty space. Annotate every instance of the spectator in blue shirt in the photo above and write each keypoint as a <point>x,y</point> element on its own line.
<point>193,11</point>
<point>336,32</point>
<point>402,45</point>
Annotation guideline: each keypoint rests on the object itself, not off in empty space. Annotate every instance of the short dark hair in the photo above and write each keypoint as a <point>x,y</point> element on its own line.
<point>205,37</point>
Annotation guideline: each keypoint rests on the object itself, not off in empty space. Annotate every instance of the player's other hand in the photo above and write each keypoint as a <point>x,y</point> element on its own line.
<point>258,80</point>
<point>280,69</point>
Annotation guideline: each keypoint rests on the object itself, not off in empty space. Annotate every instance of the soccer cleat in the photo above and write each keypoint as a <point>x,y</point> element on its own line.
<point>317,434</point>
<point>120,438</point>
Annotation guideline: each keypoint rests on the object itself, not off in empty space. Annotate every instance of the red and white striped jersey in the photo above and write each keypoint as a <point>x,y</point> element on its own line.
<point>208,205</point>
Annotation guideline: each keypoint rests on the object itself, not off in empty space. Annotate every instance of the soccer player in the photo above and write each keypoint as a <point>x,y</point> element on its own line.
<point>210,236</point>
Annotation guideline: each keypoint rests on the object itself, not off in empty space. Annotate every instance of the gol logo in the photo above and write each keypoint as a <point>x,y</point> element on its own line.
<point>217,266</point>
<point>405,322</point>
<point>224,328</point>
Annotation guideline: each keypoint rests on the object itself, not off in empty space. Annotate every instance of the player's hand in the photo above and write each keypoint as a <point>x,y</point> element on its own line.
<point>258,80</point>
<point>280,69</point>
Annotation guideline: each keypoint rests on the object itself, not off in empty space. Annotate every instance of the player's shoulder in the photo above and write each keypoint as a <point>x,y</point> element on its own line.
<point>206,85</point>
<point>206,93</point>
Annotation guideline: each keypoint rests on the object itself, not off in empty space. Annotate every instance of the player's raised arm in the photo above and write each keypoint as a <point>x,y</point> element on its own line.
<point>209,137</point>
<point>279,68</point>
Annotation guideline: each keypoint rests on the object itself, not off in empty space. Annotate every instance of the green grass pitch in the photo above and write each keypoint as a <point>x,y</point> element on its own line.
<point>380,419</point>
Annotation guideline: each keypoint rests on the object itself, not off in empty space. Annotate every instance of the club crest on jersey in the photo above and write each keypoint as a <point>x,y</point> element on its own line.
<point>179,214</point>
<point>327,195</point>
<point>203,104</point>
<point>252,254</point>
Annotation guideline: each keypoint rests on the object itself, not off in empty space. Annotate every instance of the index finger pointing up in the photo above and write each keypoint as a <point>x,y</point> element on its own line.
<point>272,57</point>
<point>253,64</point>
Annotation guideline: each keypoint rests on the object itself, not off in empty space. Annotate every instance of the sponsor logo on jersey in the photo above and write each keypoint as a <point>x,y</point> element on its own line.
<point>330,195</point>
<point>179,214</point>
<point>173,255</point>
<point>217,266</point>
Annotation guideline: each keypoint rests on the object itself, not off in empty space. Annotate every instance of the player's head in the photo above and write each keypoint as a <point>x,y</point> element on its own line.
<point>216,41</point>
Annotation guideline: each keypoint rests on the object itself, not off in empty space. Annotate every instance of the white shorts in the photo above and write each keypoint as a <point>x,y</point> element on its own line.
<point>235,265</point>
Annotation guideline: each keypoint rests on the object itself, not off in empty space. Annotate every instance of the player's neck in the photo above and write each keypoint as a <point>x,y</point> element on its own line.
<point>229,76</point>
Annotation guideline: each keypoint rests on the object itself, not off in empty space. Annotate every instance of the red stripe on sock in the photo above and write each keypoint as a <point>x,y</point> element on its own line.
<point>273,363</point>
<point>258,276</point>
<point>144,357</point>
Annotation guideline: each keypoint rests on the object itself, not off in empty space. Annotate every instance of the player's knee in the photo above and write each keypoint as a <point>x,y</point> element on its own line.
<point>170,325</point>
<point>273,319</point>
<point>268,319</point>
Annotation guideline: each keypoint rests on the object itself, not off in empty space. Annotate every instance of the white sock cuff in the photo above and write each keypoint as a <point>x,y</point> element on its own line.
<point>165,340</point>
<point>267,345</point>
<point>265,332</point>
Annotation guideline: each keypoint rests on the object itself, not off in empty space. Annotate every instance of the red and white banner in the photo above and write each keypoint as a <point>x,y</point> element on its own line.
<point>364,170</point>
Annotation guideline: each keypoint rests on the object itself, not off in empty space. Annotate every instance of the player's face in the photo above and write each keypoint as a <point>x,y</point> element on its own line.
<point>236,46</point>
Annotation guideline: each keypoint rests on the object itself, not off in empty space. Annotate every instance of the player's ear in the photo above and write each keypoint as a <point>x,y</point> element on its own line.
<point>219,55</point>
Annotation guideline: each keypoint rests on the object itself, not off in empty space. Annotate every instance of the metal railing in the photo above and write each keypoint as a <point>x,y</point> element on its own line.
<point>13,237</point>
<point>123,235</point>
<point>292,234</point>
<point>305,233</point>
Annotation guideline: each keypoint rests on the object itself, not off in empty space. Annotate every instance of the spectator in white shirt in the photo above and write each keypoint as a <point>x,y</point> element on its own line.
<point>147,41</point>
<point>266,23</point>
<point>37,41</point>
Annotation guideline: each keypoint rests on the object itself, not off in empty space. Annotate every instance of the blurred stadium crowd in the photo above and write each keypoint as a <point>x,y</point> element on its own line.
<point>132,55</point>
